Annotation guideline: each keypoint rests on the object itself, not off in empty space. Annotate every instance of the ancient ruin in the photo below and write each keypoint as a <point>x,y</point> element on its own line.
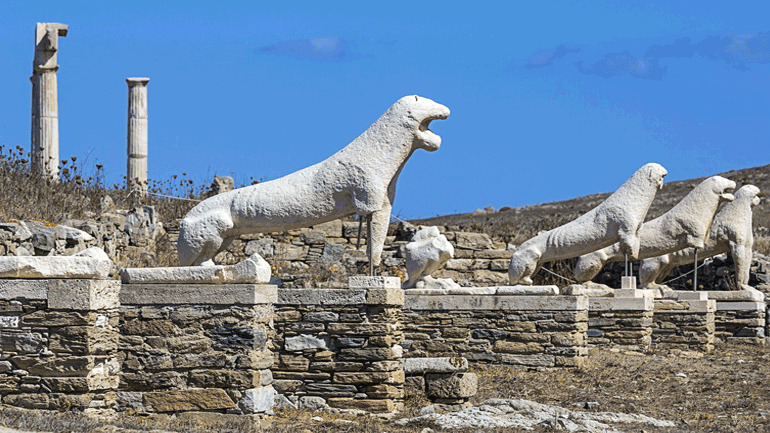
<point>731,232</point>
<point>234,339</point>
<point>136,172</point>
<point>617,219</point>
<point>428,251</point>
<point>686,225</point>
<point>45,106</point>
<point>359,179</point>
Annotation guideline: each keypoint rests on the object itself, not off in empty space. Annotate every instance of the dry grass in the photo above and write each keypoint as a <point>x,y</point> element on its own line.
<point>762,244</point>
<point>78,195</point>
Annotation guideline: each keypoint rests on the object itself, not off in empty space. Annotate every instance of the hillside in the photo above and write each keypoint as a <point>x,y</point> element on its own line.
<point>516,225</point>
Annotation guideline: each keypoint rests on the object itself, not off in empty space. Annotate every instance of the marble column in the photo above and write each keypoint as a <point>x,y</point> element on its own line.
<point>44,148</point>
<point>136,175</point>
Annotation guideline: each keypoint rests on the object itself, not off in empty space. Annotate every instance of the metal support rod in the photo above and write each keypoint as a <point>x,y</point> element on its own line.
<point>626,269</point>
<point>369,248</point>
<point>360,223</point>
<point>695,265</point>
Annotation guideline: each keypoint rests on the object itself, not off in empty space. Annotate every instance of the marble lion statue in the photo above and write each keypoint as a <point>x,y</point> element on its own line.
<point>359,179</point>
<point>616,219</point>
<point>731,231</point>
<point>686,225</point>
<point>426,253</point>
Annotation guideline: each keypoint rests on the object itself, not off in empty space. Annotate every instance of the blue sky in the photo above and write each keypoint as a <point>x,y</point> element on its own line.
<point>549,100</point>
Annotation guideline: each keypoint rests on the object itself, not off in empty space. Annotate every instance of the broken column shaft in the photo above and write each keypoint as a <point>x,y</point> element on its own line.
<point>44,148</point>
<point>136,175</point>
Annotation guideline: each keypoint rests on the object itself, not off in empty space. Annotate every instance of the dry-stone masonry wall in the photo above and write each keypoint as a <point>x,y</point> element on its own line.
<point>684,323</point>
<point>59,343</point>
<point>624,323</point>
<point>340,348</point>
<point>196,347</point>
<point>324,255</point>
<point>742,321</point>
<point>320,256</point>
<point>497,325</point>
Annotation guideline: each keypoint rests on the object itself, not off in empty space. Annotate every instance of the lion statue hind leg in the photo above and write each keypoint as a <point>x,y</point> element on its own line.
<point>201,239</point>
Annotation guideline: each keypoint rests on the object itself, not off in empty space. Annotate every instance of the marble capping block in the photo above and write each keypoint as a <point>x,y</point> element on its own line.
<point>357,294</point>
<point>209,294</point>
<point>494,301</point>
<point>89,264</point>
<point>254,270</point>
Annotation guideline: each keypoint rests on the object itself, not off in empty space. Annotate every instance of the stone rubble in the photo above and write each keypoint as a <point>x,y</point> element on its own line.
<point>525,414</point>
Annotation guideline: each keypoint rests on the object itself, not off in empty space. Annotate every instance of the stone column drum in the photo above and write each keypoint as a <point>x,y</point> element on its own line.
<point>136,173</point>
<point>44,147</point>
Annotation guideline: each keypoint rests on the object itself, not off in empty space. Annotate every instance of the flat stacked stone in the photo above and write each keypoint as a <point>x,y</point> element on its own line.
<point>623,321</point>
<point>524,326</point>
<point>58,332</point>
<point>198,346</point>
<point>445,381</point>
<point>340,348</point>
<point>685,322</point>
<point>740,316</point>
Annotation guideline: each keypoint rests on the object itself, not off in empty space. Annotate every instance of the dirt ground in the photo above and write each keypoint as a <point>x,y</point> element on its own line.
<point>725,391</point>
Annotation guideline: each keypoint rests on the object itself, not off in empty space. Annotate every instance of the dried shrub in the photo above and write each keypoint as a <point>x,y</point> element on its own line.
<point>78,196</point>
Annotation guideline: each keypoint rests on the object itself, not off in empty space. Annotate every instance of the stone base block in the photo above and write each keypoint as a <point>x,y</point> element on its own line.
<point>519,290</point>
<point>254,270</point>
<point>628,283</point>
<point>205,294</point>
<point>451,385</point>
<point>92,263</point>
<point>367,405</point>
<point>65,294</point>
<point>621,304</point>
<point>188,400</point>
<point>435,365</point>
<point>362,282</point>
<point>496,302</point>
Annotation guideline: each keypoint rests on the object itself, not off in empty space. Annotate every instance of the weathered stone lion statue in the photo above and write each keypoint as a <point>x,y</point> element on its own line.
<point>427,251</point>
<point>731,231</point>
<point>686,225</point>
<point>616,219</point>
<point>359,179</point>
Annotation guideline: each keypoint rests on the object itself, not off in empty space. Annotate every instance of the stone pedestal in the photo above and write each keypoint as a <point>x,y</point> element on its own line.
<point>196,347</point>
<point>685,321</point>
<point>622,322</point>
<point>59,343</point>
<point>628,283</point>
<point>340,348</point>
<point>740,321</point>
<point>136,173</point>
<point>44,147</point>
<point>445,381</point>
<point>522,326</point>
